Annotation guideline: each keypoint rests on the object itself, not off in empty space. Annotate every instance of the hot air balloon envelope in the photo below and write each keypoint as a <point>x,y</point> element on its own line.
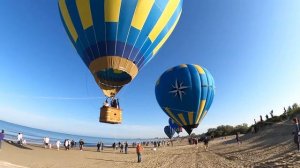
<point>185,93</point>
<point>116,38</point>
<point>169,131</point>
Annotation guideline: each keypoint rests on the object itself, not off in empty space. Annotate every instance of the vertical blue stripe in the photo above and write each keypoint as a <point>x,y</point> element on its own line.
<point>195,83</point>
<point>72,8</point>
<point>131,52</point>
<point>126,15</point>
<point>97,10</point>
<point>111,34</point>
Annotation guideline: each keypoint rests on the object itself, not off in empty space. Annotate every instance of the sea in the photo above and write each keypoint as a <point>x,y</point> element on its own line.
<point>36,136</point>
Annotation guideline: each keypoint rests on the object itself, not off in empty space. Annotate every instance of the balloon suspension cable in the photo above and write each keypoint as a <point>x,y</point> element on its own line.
<point>113,86</point>
<point>178,109</point>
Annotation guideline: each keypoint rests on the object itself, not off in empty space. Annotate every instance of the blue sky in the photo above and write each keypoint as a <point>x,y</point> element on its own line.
<point>251,48</point>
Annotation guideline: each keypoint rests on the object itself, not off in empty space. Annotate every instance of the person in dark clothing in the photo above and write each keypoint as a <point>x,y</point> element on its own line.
<point>237,137</point>
<point>121,148</point>
<point>114,146</point>
<point>297,133</point>
<point>1,138</point>
<point>98,147</point>
<point>126,147</point>
<point>206,140</point>
<point>271,114</point>
<point>72,143</point>
<point>81,143</point>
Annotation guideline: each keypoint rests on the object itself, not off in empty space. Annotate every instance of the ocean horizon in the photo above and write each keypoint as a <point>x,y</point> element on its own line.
<point>35,135</point>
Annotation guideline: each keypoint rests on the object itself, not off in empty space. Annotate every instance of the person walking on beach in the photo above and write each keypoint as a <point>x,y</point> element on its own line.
<point>121,148</point>
<point>98,146</point>
<point>66,144</point>
<point>139,150</point>
<point>206,140</point>
<point>297,133</point>
<point>114,146</point>
<point>46,142</point>
<point>101,146</point>
<point>126,147</point>
<point>58,144</point>
<point>237,138</point>
<point>1,138</point>
<point>81,144</point>
<point>20,137</point>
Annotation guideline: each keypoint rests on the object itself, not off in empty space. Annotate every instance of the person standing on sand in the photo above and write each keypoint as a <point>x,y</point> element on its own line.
<point>81,144</point>
<point>122,147</point>
<point>98,146</point>
<point>102,146</point>
<point>58,144</point>
<point>297,133</point>
<point>139,150</point>
<point>114,146</point>
<point>206,143</point>
<point>1,138</point>
<point>19,138</point>
<point>47,140</point>
<point>126,147</point>
<point>237,138</point>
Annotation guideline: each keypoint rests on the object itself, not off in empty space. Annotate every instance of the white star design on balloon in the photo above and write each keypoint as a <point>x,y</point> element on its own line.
<point>178,89</point>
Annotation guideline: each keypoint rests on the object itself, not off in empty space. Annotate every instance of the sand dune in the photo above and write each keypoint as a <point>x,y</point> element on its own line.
<point>271,147</point>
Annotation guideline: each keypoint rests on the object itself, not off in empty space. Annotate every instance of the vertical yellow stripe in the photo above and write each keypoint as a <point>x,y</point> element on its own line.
<point>191,118</point>
<point>112,10</point>
<point>67,19</point>
<point>205,112</point>
<point>164,19</point>
<point>162,42</point>
<point>141,13</point>
<point>172,116</point>
<point>202,104</point>
<point>199,68</point>
<point>84,10</point>
<point>182,119</point>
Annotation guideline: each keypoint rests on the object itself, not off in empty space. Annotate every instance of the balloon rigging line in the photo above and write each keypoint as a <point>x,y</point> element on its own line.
<point>178,109</point>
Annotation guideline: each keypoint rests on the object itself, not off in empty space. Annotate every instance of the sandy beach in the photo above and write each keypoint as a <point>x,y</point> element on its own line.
<point>271,147</point>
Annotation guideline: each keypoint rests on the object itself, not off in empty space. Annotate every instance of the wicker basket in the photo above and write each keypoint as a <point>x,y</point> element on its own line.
<point>110,115</point>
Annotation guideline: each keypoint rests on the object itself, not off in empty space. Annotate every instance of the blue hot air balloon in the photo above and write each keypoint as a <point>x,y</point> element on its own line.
<point>185,93</point>
<point>173,124</point>
<point>169,131</point>
<point>116,38</point>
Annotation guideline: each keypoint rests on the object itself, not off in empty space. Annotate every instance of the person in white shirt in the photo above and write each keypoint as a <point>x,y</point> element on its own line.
<point>58,144</point>
<point>20,138</point>
<point>47,140</point>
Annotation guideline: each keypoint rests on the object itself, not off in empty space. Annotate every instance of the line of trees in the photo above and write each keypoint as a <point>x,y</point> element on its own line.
<point>225,130</point>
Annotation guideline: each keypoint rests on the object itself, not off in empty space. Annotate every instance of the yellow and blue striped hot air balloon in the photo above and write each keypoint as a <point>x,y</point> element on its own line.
<point>185,93</point>
<point>116,38</point>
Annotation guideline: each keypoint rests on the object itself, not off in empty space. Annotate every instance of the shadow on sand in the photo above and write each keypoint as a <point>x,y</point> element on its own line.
<point>17,145</point>
<point>112,160</point>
